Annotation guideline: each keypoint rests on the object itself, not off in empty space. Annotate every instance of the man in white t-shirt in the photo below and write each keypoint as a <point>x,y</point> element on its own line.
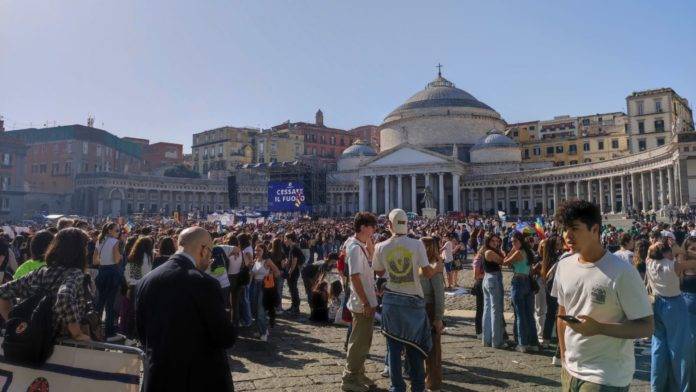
<point>606,296</point>
<point>361,303</point>
<point>404,319</point>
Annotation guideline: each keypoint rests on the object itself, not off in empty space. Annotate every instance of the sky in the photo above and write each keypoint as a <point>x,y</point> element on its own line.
<point>165,69</point>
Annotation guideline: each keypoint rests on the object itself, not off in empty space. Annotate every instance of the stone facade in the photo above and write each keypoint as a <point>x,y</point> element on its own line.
<point>110,194</point>
<point>13,189</point>
<point>655,116</point>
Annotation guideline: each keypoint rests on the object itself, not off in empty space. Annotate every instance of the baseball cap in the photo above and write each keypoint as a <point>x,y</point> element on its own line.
<point>399,221</point>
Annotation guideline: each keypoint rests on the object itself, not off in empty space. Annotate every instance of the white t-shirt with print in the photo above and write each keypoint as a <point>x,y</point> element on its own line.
<point>401,257</point>
<point>356,258</point>
<point>610,291</point>
<point>235,261</point>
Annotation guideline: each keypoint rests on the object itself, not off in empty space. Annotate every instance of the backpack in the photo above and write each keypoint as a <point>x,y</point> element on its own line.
<point>29,334</point>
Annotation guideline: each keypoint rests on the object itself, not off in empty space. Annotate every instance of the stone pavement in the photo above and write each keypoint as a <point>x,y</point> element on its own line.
<point>300,356</point>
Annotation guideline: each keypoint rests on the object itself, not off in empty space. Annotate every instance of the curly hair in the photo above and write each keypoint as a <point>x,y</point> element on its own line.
<point>578,210</point>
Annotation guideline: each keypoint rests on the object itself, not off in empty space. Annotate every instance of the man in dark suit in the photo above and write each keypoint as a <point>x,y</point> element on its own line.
<point>181,321</point>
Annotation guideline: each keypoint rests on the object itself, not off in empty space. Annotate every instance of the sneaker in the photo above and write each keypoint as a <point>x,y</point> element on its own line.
<point>521,348</point>
<point>555,361</point>
<point>354,387</point>
<point>535,349</point>
<point>365,380</point>
<point>385,372</point>
<point>264,337</point>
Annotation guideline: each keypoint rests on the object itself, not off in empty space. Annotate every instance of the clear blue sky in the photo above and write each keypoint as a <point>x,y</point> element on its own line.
<point>164,69</point>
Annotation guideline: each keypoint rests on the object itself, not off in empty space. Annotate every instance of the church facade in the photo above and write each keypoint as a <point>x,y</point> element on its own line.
<point>444,139</point>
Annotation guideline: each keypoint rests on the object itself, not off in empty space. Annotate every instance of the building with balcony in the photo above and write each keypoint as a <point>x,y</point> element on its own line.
<point>655,117</point>
<point>13,189</point>
<point>223,148</point>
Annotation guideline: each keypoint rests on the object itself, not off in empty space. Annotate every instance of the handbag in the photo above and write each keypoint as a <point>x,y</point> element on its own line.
<point>534,284</point>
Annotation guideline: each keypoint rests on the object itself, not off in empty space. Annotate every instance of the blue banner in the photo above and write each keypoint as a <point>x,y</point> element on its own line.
<point>287,197</point>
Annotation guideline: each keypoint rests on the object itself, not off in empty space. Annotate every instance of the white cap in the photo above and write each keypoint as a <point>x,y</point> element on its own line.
<point>399,221</point>
<point>667,233</point>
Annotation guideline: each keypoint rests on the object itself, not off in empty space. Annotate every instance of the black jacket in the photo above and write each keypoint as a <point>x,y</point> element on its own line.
<point>181,320</point>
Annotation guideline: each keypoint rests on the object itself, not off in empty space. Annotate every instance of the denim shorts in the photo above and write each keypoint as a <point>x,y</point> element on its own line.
<point>448,267</point>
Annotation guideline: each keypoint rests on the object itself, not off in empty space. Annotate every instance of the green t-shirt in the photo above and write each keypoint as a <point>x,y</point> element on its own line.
<point>27,267</point>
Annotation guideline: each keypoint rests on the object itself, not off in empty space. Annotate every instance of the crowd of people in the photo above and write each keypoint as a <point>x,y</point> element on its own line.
<point>183,292</point>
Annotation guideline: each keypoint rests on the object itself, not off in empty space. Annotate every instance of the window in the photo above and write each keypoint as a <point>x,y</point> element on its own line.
<point>85,147</point>
<point>660,141</point>
<point>586,146</point>
<point>5,204</point>
<point>532,127</point>
<point>600,144</point>
<point>55,168</point>
<point>587,160</point>
<point>4,183</point>
<point>573,162</point>
<point>572,149</point>
<point>658,105</point>
<point>585,121</point>
<point>323,139</point>
<point>659,125</point>
<point>641,145</point>
<point>549,150</point>
<point>42,168</point>
<point>314,151</point>
<point>69,147</point>
<point>639,107</point>
<point>99,150</point>
<point>559,149</point>
<point>641,127</point>
<point>515,134</point>
<point>6,159</point>
<point>537,150</point>
<point>526,153</point>
<point>205,152</point>
<point>615,143</point>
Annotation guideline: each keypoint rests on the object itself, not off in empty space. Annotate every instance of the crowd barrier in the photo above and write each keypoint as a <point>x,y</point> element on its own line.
<point>78,366</point>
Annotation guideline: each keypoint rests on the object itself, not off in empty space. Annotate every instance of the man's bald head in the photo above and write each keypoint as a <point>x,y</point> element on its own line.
<point>196,242</point>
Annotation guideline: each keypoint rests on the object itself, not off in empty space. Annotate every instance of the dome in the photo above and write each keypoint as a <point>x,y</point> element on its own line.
<point>359,148</point>
<point>440,93</point>
<point>494,139</point>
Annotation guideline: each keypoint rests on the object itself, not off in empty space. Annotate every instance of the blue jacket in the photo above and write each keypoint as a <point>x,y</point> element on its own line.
<point>404,319</point>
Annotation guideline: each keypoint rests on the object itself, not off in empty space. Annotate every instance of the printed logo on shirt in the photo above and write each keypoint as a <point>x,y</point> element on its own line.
<point>599,295</point>
<point>400,265</point>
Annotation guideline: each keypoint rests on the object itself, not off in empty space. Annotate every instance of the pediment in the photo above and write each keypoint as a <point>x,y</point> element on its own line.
<point>406,156</point>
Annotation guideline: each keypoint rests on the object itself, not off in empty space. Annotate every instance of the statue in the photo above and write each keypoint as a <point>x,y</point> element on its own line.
<point>428,198</point>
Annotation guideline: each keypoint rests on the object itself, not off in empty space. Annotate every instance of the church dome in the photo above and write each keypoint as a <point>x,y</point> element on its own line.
<point>494,139</point>
<point>437,94</point>
<point>359,148</point>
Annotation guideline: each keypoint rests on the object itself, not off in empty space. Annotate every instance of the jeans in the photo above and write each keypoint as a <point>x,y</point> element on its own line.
<point>492,322</point>
<point>415,360</point>
<point>478,290</point>
<point>523,303</point>
<point>690,300</point>
<point>108,282</point>
<point>245,312</point>
<point>433,364</point>
<point>294,292</point>
<point>256,296</point>
<point>551,312</point>
<point>672,362</point>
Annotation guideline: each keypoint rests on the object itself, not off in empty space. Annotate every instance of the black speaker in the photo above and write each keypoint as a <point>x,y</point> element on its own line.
<point>232,191</point>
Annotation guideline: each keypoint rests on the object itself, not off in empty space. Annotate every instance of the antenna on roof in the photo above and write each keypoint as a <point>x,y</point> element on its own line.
<point>90,120</point>
<point>2,123</point>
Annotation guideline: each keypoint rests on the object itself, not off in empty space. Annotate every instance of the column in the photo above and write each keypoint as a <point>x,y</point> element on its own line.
<point>495,199</point>
<point>567,190</point>
<point>481,204</point>
<point>507,199</point>
<point>414,197</point>
<point>589,191</point>
<point>544,199</point>
<point>577,189</point>
<point>374,194</point>
<point>441,192</point>
<point>469,201</point>
<point>361,193</point>
<point>456,193</point>
<point>677,185</point>
<point>519,199</point>
<point>624,198</point>
<point>399,192</point>
<point>643,194</point>
<point>670,186</point>
<point>653,191</point>
<point>555,197</point>
<point>427,180</point>
<point>661,179</point>
<point>600,194</point>
<point>532,205</point>
<point>634,192</point>
<point>386,194</point>
<point>612,195</point>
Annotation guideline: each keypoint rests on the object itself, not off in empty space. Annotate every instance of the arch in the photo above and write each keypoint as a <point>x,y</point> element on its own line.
<point>117,193</point>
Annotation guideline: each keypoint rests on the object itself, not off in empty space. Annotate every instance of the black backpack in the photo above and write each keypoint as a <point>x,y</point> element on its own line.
<point>29,334</point>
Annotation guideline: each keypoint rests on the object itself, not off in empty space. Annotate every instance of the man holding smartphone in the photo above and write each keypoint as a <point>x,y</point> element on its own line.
<point>609,303</point>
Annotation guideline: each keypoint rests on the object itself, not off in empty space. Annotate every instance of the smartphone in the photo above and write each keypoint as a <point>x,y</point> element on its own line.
<point>569,319</point>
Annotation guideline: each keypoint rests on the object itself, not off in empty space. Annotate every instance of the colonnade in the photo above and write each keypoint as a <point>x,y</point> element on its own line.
<point>642,190</point>
<point>381,193</point>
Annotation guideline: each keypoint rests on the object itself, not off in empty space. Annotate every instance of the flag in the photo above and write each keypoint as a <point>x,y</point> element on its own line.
<point>539,227</point>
